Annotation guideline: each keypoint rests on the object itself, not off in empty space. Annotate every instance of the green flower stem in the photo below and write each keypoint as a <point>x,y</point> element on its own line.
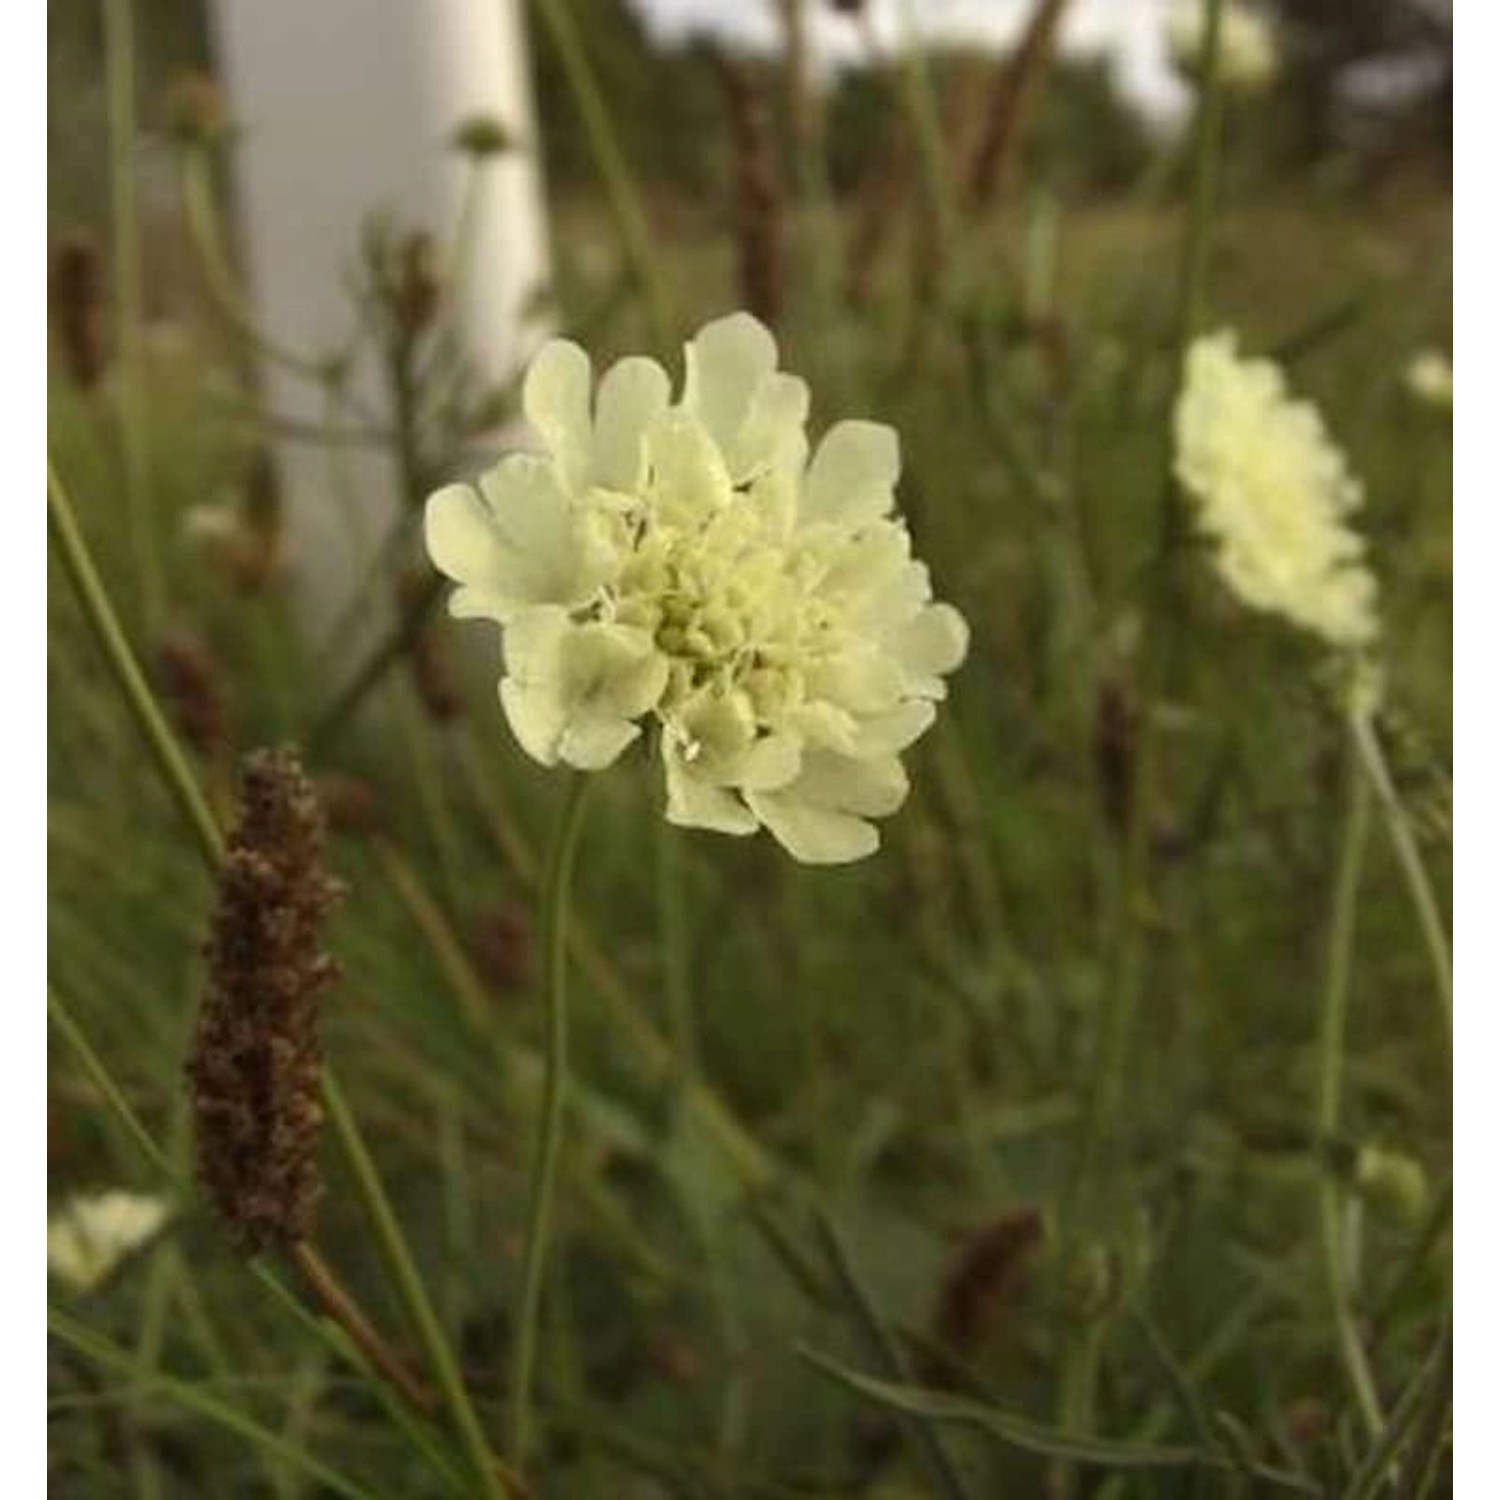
<point>1128,965</point>
<point>1372,759</point>
<point>401,1267</point>
<point>752,1163</point>
<point>201,217</point>
<point>555,898</point>
<point>921,105</point>
<point>1129,959</point>
<point>1330,1089</point>
<point>119,55</point>
<point>110,634</point>
<point>624,201</point>
<point>676,964</point>
<point>1208,128</point>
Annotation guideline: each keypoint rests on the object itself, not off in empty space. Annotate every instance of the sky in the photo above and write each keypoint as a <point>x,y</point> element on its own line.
<point>1128,31</point>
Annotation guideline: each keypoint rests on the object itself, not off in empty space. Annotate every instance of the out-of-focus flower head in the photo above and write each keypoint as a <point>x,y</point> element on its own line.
<point>1247,43</point>
<point>682,564</point>
<point>91,1234</point>
<point>1429,378</point>
<point>1275,494</point>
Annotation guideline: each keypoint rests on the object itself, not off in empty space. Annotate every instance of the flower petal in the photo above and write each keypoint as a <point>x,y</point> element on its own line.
<point>771,762</point>
<point>726,363</point>
<point>610,671</point>
<point>692,803</point>
<point>932,644</point>
<point>689,481</point>
<point>891,732</point>
<point>555,398</point>
<point>852,477</point>
<point>870,788</point>
<point>815,835</point>
<point>536,717</point>
<point>771,435</point>
<point>462,539</point>
<point>861,678</point>
<point>541,557</point>
<point>593,744</point>
<point>631,395</point>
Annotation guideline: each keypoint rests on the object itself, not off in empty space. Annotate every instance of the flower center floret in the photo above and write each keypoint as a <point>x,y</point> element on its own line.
<point>731,610</point>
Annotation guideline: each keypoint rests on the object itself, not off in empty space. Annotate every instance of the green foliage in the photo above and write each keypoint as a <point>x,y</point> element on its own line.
<point>907,1048</point>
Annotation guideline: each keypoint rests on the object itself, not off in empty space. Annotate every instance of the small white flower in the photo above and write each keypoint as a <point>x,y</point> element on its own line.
<point>91,1235</point>
<point>1274,493</point>
<point>1247,43</point>
<point>1429,378</point>
<point>685,564</point>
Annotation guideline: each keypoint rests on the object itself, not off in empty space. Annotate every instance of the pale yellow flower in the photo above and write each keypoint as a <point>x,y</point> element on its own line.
<point>91,1235</point>
<point>1429,377</point>
<point>684,565</point>
<point>1247,43</point>
<point>1274,493</point>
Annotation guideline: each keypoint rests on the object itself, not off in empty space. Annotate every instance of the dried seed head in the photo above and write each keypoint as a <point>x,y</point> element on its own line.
<point>500,943</point>
<point>77,297</point>
<point>419,283</point>
<point>982,1278</point>
<point>352,804</point>
<point>481,135</point>
<point>1116,724</point>
<point>196,114</point>
<point>189,679</point>
<point>256,1064</point>
<point>432,675</point>
<point>427,656</point>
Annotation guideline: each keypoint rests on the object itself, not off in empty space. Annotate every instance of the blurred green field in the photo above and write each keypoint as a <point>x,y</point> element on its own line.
<point>912,1044</point>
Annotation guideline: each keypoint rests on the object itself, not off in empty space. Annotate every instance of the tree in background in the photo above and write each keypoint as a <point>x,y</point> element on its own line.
<point>1374,77</point>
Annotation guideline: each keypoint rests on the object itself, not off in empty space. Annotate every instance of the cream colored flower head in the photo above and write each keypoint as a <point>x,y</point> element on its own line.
<point>1429,378</point>
<point>1247,43</point>
<point>91,1235</point>
<point>1274,493</point>
<point>684,565</point>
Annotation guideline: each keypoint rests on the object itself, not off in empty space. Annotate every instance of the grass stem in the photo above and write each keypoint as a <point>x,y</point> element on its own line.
<point>110,634</point>
<point>619,187</point>
<point>125,237</point>
<point>555,901</point>
<point>401,1267</point>
<point>1331,1039</point>
<point>1372,759</point>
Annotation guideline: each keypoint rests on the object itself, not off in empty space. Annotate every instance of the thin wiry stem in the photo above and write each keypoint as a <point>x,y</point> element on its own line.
<point>1434,934</point>
<point>401,1267</point>
<point>110,634</point>
<point>119,52</point>
<point>201,218</point>
<point>624,201</point>
<point>556,894</point>
<point>1330,1091</point>
<point>1208,129</point>
<point>344,1311</point>
<point>676,965</point>
<point>1128,965</point>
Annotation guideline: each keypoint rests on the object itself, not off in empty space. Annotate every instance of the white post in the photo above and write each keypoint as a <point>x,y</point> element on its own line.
<point>347,107</point>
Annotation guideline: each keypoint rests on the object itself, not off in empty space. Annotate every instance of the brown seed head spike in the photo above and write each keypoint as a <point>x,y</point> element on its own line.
<point>256,1065</point>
